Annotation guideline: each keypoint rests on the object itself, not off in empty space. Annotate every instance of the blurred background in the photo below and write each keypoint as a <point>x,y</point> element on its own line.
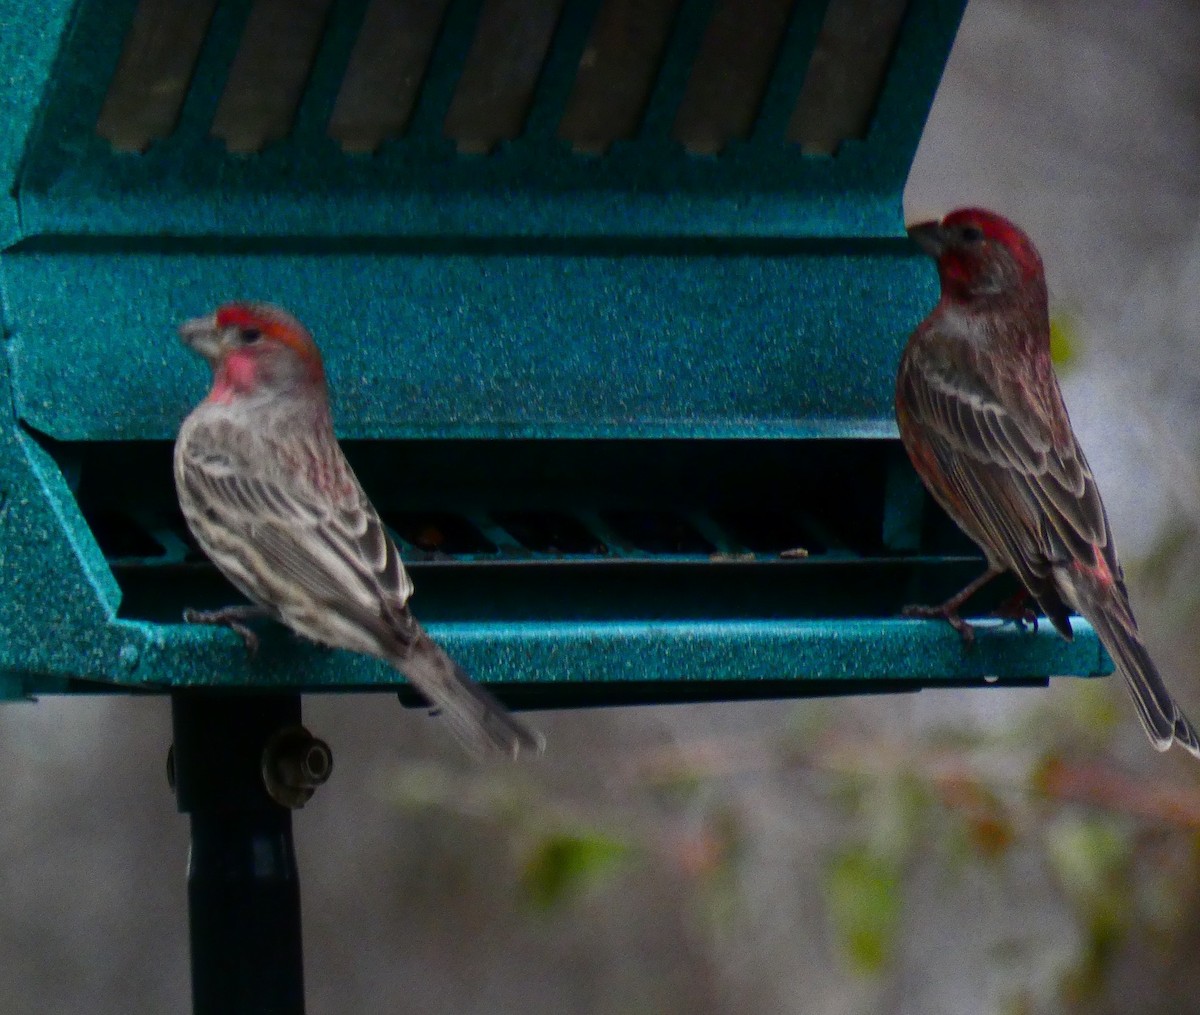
<point>1011,852</point>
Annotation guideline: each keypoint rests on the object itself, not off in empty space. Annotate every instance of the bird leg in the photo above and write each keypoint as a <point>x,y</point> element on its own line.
<point>1017,609</point>
<point>232,617</point>
<point>948,611</point>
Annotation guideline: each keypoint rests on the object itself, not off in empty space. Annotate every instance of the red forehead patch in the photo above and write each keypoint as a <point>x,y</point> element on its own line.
<point>239,315</point>
<point>993,226</point>
<point>1000,230</point>
<point>280,327</point>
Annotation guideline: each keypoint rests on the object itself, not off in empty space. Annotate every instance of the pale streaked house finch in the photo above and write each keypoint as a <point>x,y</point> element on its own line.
<point>983,420</point>
<point>273,502</point>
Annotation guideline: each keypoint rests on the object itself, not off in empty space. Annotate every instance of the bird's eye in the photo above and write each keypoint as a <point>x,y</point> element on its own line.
<point>249,335</point>
<point>971,234</point>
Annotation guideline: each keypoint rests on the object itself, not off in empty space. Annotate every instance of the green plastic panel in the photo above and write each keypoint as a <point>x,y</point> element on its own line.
<point>417,184</point>
<point>611,329</point>
<point>787,341</point>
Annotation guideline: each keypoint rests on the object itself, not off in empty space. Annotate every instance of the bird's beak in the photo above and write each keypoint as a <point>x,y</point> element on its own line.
<point>202,335</point>
<point>930,237</point>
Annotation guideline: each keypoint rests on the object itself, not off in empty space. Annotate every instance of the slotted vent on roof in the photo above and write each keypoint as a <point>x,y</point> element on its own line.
<point>598,70</point>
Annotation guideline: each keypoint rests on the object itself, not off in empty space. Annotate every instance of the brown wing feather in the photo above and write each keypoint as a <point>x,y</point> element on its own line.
<point>1015,480</point>
<point>994,437</point>
<point>311,547</point>
<point>300,538</point>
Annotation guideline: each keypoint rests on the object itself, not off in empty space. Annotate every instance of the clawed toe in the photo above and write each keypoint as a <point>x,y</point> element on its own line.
<point>965,630</point>
<point>249,638</point>
<point>1026,619</point>
<point>1018,610</point>
<point>229,618</point>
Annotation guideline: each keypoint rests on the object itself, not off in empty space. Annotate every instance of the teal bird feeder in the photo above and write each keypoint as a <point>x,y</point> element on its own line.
<point>611,295</point>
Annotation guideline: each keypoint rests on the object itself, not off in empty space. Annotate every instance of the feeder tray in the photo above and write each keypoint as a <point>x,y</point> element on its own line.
<point>611,294</point>
<point>611,315</point>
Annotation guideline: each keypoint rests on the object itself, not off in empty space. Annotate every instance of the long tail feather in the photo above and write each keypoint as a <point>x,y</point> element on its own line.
<point>1162,718</point>
<point>476,718</point>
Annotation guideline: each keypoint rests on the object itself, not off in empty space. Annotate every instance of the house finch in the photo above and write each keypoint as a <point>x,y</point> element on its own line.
<point>983,420</point>
<point>273,502</point>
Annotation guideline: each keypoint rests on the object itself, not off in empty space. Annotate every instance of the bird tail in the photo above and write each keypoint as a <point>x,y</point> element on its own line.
<point>476,718</point>
<point>1106,610</point>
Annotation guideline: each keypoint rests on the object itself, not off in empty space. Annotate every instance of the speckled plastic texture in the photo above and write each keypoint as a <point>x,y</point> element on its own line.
<point>417,186</point>
<point>785,343</point>
<point>529,294</point>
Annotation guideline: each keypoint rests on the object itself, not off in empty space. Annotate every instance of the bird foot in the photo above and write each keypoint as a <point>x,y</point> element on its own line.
<point>1018,610</point>
<point>942,612</point>
<point>232,617</point>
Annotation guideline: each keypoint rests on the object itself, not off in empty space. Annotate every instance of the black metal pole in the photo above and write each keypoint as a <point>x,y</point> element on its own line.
<point>243,885</point>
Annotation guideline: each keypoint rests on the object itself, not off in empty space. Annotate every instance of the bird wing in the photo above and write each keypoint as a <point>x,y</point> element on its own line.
<point>1014,465</point>
<point>309,545</point>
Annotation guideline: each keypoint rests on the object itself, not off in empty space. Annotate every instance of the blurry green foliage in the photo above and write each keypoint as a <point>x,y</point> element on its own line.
<point>1095,710</point>
<point>562,863</point>
<point>1091,856</point>
<point>897,806</point>
<point>891,808</point>
<point>1158,567</point>
<point>678,787</point>
<point>716,865</point>
<point>863,897</point>
<point>1080,719</point>
<point>1064,341</point>
<point>806,722</point>
<point>491,797</point>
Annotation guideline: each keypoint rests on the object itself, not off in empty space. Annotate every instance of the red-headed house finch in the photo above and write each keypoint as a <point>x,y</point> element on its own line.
<point>273,502</point>
<point>983,420</point>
